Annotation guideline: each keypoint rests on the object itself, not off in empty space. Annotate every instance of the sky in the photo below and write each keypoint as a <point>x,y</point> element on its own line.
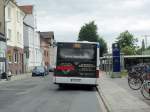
<point>66,17</point>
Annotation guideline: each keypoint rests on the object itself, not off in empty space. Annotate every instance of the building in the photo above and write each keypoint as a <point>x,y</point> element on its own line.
<point>2,38</point>
<point>37,50</point>
<point>46,43</point>
<point>32,52</point>
<point>14,32</point>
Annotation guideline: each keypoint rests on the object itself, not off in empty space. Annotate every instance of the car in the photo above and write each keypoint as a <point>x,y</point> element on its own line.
<point>39,71</point>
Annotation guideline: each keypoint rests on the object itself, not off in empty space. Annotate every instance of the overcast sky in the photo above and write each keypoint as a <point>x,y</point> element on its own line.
<point>65,17</point>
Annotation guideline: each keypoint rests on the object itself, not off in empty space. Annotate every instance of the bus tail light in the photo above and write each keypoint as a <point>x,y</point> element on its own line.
<point>97,73</point>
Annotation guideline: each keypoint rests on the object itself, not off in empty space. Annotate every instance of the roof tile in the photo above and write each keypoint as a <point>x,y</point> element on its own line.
<point>28,9</point>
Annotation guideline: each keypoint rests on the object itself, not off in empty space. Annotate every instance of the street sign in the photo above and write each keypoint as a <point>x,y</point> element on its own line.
<point>116,57</point>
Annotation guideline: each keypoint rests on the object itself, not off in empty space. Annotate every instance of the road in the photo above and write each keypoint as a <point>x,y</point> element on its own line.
<point>41,95</point>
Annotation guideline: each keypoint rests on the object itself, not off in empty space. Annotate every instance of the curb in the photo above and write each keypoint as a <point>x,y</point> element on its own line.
<point>20,77</point>
<point>105,102</point>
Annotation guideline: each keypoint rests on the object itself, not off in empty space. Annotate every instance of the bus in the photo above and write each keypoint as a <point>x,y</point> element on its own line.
<point>77,63</point>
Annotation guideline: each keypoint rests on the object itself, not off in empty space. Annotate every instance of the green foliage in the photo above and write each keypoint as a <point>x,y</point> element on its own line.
<point>103,46</point>
<point>139,51</point>
<point>124,73</point>
<point>127,50</point>
<point>148,48</point>
<point>127,43</point>
<point>88,32</point>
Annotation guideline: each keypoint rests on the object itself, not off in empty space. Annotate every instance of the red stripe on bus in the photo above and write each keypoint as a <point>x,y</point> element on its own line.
<point>65,68</point>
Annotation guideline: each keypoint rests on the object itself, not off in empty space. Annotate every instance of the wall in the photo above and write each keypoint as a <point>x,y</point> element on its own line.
<point>25,36</point>
<point>2,16</point>
<point>15,24</point>
<point>45,51</point>
<point>14,33</point>
<point>37,50</point>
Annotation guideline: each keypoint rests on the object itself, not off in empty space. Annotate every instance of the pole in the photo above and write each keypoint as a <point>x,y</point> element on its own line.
<point>146,41</point>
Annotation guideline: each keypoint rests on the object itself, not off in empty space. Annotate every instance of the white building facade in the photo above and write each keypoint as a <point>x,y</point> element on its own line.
<point>14,33</point>
<point>37,50</point>
<point>32,54</point>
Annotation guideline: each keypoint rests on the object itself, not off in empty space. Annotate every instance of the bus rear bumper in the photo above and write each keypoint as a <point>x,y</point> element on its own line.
<point>75,80</point>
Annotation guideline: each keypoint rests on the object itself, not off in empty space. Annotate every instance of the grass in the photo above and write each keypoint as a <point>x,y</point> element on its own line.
<point>123,73</point>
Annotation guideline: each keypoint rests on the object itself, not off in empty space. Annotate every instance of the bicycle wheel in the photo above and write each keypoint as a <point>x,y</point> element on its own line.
<point>145,90</point>
<point>134,83</point>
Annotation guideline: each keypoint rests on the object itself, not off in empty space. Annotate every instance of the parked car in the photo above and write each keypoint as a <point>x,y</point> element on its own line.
<point>51,68</point>
<point>39,71</point>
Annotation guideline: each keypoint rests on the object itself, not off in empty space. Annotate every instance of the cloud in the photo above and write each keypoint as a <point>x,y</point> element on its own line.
<point>65,17</point>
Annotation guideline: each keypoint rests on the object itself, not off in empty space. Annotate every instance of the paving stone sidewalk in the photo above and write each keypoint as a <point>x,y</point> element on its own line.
<point>117,99</point>
<point>17,77</point>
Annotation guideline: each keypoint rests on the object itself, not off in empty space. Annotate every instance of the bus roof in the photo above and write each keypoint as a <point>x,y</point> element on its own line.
<point>87,42</point>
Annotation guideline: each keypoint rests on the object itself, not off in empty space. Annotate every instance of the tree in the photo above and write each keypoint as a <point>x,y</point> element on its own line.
<point>88,32</point>
<point>103,46</point>
<point>127,50</point>
<point>127,43</point>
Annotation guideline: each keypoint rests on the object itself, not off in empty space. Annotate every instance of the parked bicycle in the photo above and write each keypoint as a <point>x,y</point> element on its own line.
<point>145,88</point>
<point>135,76</point>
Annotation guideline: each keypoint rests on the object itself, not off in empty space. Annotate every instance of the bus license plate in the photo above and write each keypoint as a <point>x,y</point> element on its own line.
<point>75,80</point>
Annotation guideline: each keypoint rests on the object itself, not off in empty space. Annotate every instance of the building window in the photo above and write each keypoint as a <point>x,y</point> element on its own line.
<point>9,34</point>
<point>18,37</point>
<point>27,54</point>
<point>44,53</point>
<point>20,58</point>
<point>15,57</point>
<point>9,13</point>
<point>9,56</point>
<point>18,16</point>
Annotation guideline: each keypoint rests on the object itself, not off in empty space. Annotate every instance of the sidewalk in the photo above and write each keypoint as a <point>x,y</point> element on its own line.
<point>17,77</point>
<point>117,99</point>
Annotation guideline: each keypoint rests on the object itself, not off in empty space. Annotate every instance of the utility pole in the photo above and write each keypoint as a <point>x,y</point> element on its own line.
<point>146,44</point>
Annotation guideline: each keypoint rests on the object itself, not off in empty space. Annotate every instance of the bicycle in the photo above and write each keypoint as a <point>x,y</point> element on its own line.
<point>145,89</point>
<point>135,77</point>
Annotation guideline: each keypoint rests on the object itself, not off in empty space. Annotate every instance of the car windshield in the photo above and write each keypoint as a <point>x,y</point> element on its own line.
<point>40,68</point>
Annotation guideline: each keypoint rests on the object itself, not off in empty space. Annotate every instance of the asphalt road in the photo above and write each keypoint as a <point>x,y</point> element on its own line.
<point>41,95</point>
